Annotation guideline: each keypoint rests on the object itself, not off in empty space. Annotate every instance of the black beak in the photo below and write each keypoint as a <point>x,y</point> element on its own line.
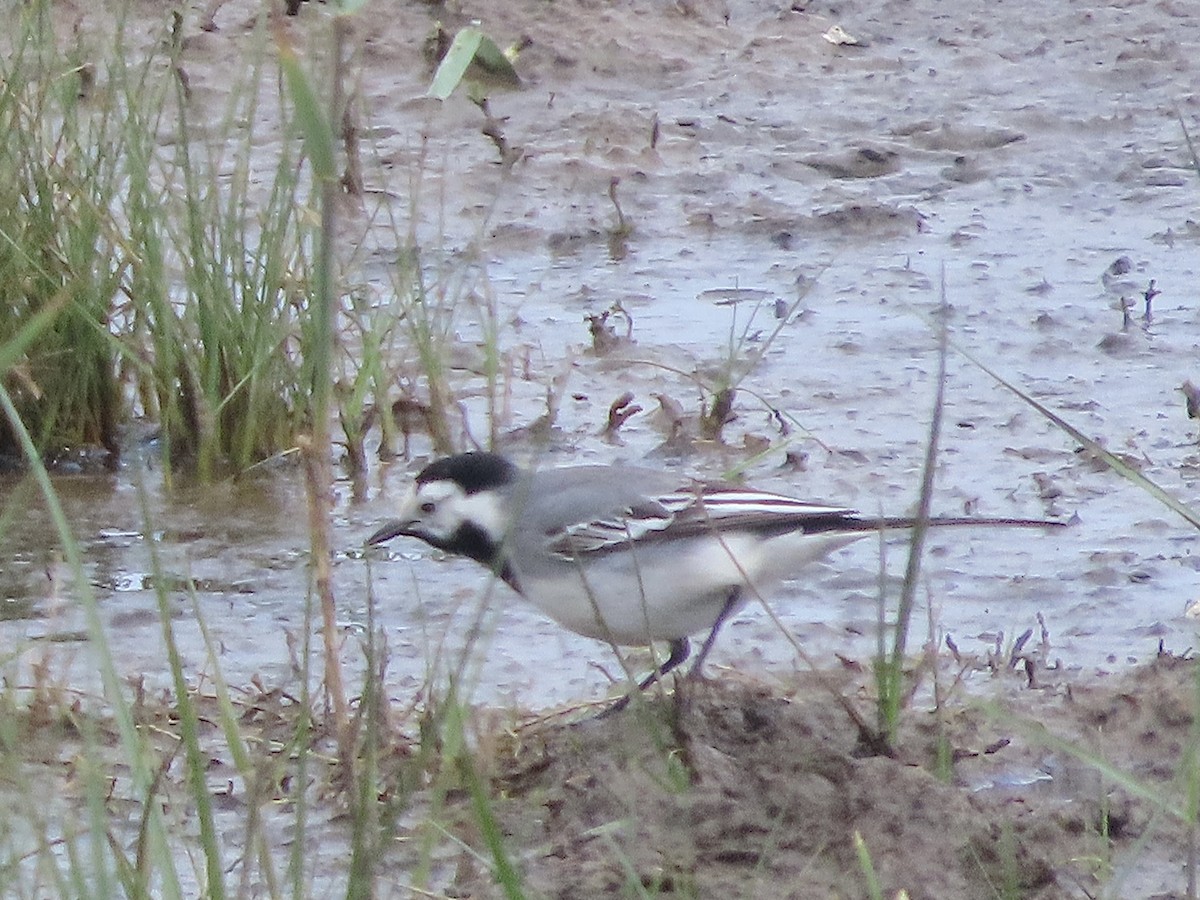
<point>390,530</point>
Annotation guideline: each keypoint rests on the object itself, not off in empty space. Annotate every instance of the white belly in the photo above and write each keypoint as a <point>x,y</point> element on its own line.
<point>664,591</point>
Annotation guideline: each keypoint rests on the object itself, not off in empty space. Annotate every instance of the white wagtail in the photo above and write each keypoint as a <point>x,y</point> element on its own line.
<point>628,555</point>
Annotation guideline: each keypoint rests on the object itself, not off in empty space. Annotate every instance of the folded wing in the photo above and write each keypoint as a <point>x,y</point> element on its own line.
<point>697,510</point>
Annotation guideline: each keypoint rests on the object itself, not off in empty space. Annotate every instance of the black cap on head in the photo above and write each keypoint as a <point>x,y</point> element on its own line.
<point>473,472</point>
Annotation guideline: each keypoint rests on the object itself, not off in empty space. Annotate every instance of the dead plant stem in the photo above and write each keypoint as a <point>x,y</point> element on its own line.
<point>319,452</point>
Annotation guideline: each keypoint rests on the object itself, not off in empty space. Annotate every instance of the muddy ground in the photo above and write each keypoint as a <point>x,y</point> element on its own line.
<point>736,789</point>
<point>1028,156</point>
<point>731,787</point>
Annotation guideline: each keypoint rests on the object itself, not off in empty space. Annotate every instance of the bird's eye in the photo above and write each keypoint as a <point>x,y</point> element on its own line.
<point>428,506</point>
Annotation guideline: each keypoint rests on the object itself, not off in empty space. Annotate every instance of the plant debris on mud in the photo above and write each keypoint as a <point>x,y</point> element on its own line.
<point>731,789</point>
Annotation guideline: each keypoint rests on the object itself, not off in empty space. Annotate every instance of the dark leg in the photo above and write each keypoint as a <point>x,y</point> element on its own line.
<point>680,648</point>
<point>731,603</point>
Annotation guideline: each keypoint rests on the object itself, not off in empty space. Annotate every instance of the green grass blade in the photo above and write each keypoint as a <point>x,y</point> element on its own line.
<point>11,350</point>
<point>867,867</point>
<point>504,871</point>
<point>237,747</point>
<point>1114,462</point>
<point>189,731</point>
<point>135,756</point>
<point>1187,136</point>
<point>455,63</point>
<point>315,127</point>
<point>1037,732</point>
<point>889,674</point>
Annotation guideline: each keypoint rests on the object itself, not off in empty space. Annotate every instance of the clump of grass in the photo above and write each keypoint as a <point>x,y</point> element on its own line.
<point>60,244</point>
<point>184,266</point>
<point>890,664</point>
<point>233,390</point>
<point>164,275</point>
<point>182,270</point>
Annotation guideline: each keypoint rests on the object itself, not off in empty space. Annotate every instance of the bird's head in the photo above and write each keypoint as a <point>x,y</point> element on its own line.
<point>457,504</point>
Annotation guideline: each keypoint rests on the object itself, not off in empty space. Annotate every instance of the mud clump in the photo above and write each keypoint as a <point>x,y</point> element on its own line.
<point>730,789</point>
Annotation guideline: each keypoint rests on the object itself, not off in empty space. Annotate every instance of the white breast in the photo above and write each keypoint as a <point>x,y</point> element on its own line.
<point>671,589</point>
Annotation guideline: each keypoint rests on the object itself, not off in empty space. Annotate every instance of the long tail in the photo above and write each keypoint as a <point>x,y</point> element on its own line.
<point>855,522</point>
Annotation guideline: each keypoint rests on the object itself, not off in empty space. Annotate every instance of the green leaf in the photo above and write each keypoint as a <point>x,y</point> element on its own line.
<point>11,350</point>
<point>496,63</point>
<point>473,57</point>
<point>454,64</point>
<point>314,125</point>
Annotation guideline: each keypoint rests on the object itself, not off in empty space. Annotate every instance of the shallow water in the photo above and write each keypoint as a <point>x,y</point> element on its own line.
<point>1011,165</point>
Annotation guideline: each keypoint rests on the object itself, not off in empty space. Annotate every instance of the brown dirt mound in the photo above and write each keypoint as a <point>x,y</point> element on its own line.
<point>729,789</point>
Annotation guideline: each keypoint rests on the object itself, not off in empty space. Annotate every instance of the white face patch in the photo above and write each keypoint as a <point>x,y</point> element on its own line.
<point>437,509</point>
<point>486,510</point>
